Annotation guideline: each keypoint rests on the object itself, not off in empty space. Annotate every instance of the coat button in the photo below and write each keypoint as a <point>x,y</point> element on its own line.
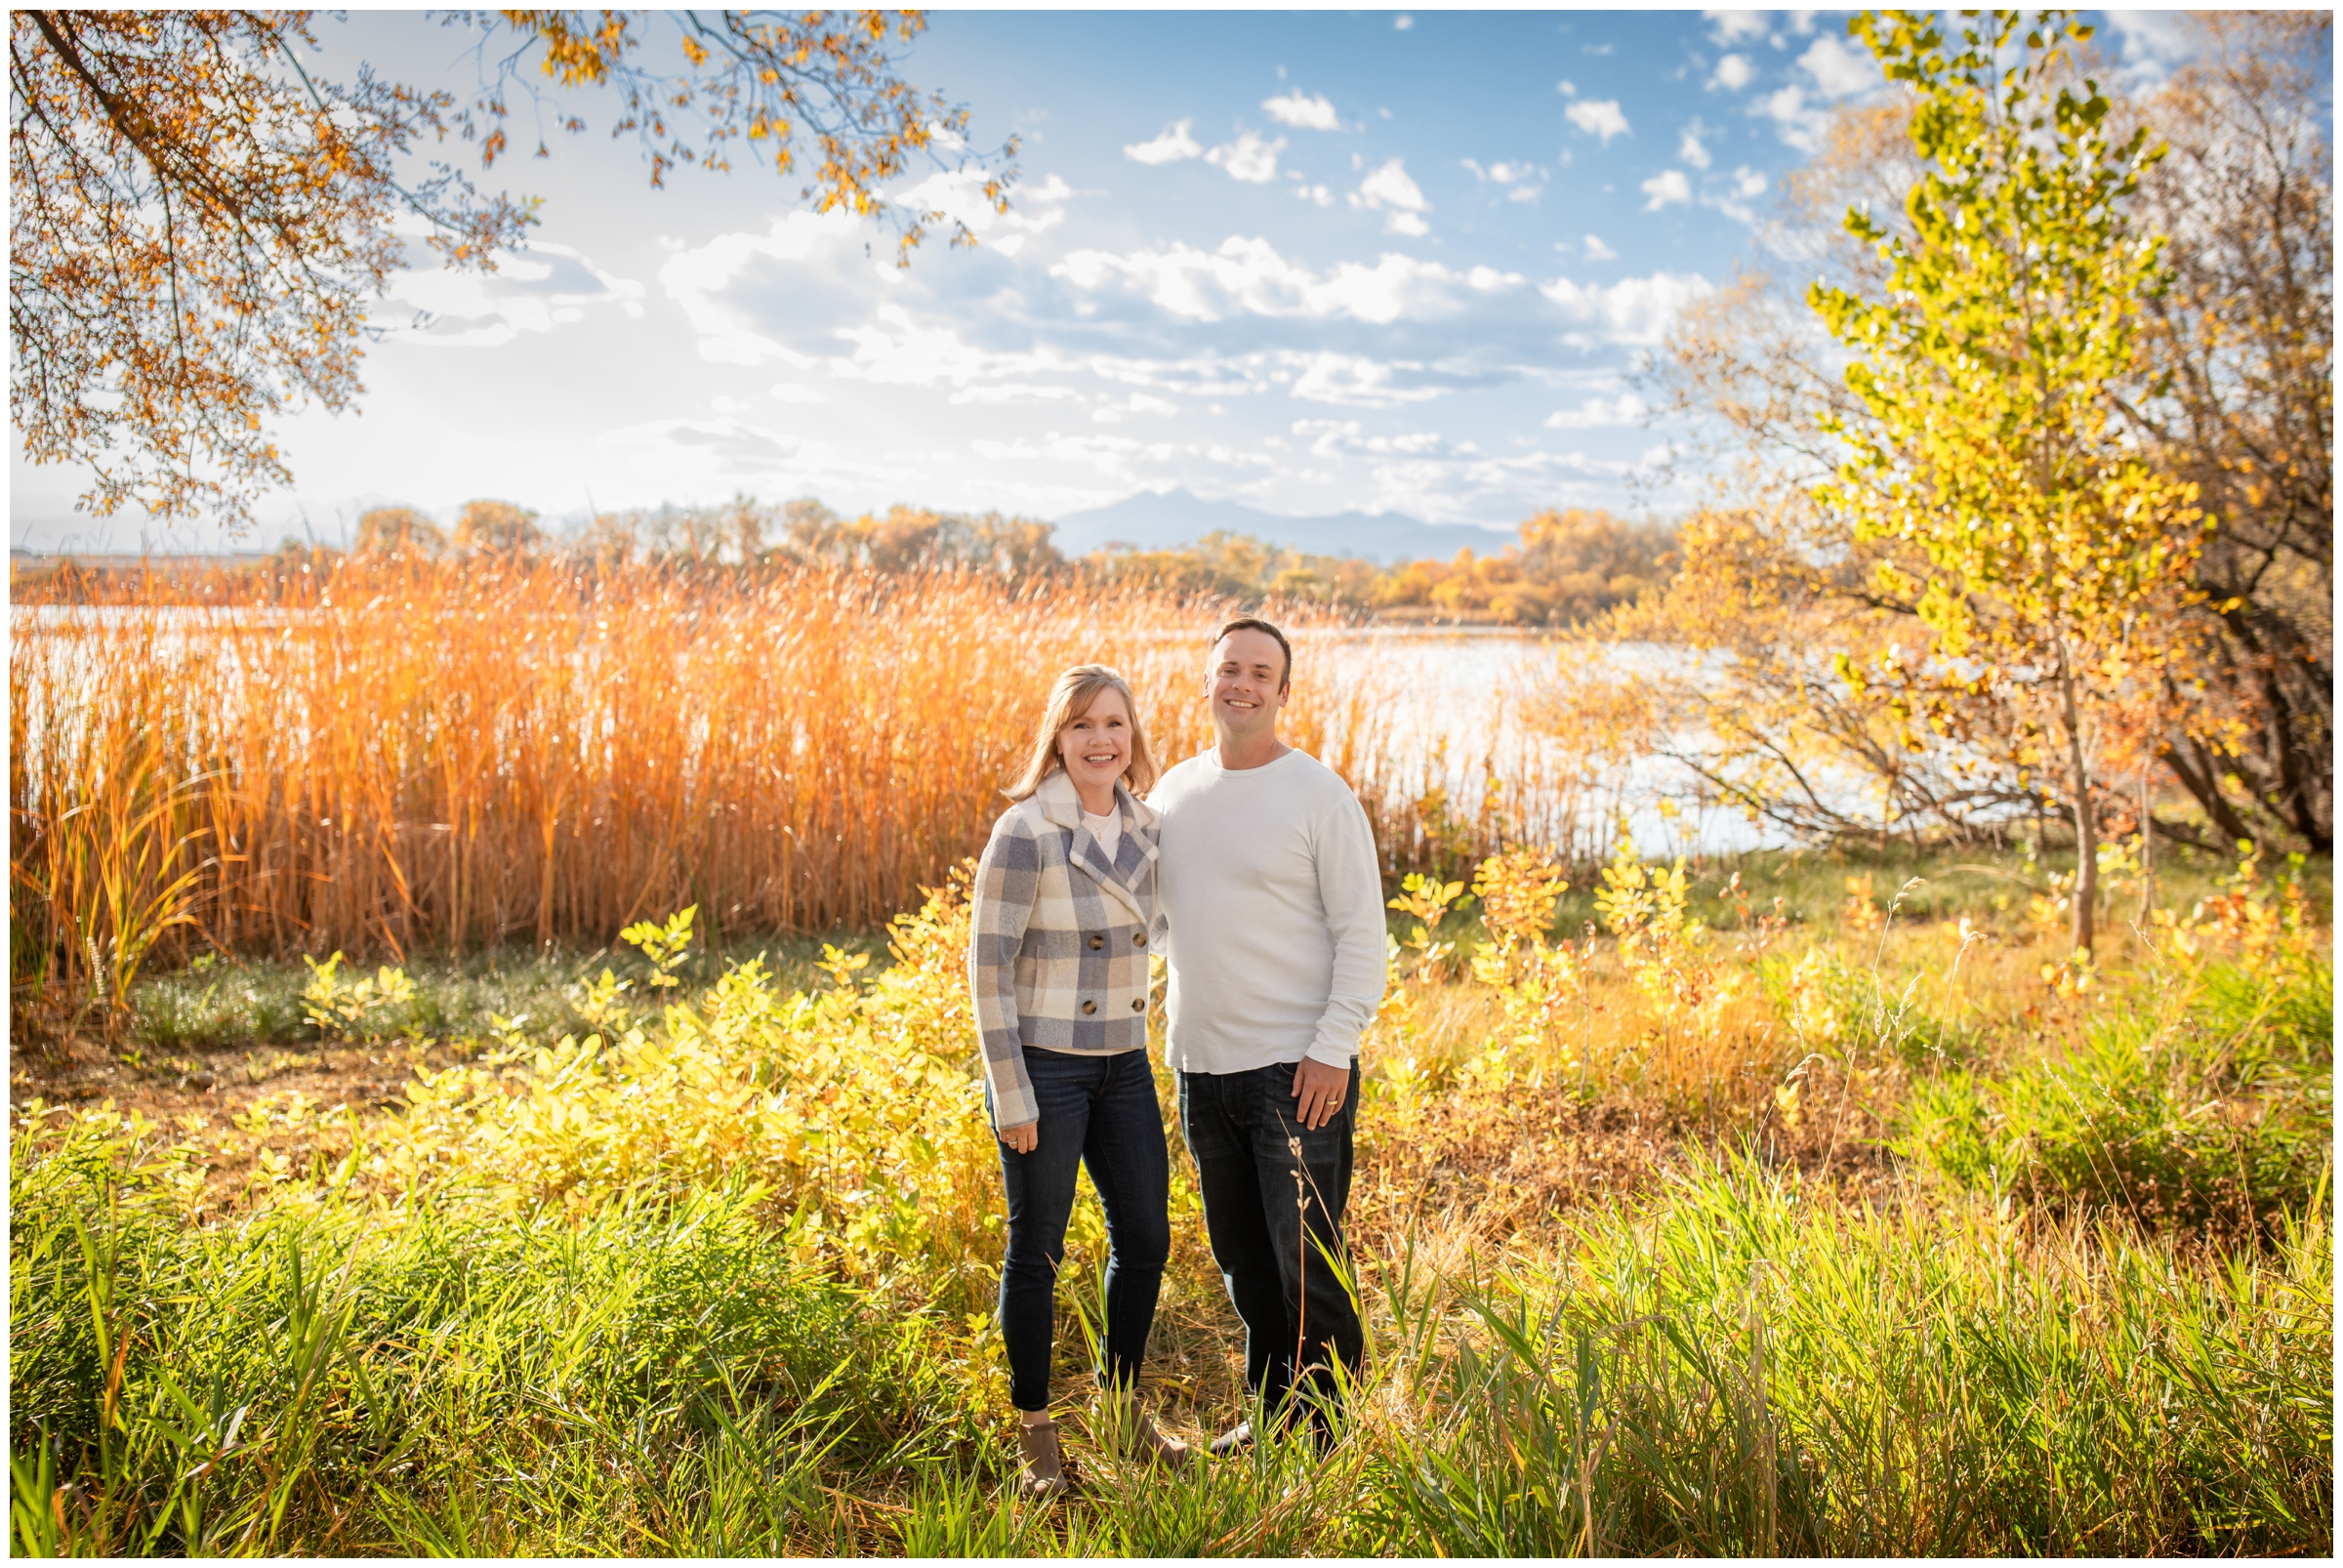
<point>1139,939</point>
<point>1139,1003</point>
<point>1097,942</point>
<point>1089,1006</point>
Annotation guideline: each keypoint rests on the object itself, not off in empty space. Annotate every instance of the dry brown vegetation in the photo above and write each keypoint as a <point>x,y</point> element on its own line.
<point>387,755</point>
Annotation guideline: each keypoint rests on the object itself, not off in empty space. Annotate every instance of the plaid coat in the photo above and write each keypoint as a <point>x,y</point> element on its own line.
<point>1060,938</point>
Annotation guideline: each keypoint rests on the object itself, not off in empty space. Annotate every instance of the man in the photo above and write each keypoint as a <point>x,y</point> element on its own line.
<point>1269,881</point>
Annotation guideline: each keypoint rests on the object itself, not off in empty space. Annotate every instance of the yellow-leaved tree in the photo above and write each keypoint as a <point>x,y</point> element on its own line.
<point>200,216</point>
<point>1987,434</point>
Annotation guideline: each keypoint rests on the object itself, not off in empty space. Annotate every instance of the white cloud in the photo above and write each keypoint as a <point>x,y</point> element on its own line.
<point>1501,172</point>
<point>1635,312</point>
<point>1798,123</point>
<point>1390,190</point>
<point>1838,69</point>
<point>1110,454</point>
<point>1314,113</point>
<point>1521,180</point>
<point>736,448</point>
<point>1598,117</point>
<point>1248,158</point>
<point>1012,394</point>
<point>895,351</point>
<point>2155,34</point>
<point>1171,147</point>
<point>1463,485</point>
<point>1732,73</point>
<point>699,280</point>
<point>2151,43</point>
<point>1347,437</point>
<point>1667,188</point>
<point>1744,184</point>
<point>536,290</point>
<point>1690,148</point>
<point>1597,413</point>
<point>1567,88</point>
<point>1403,22</point>
<point>790,391</point>
<point>825,252</point>
<point>1358,382</point>
<point>1597,251</point>
<point>1315,193</point>
<point>1730,26</point>
<point>958,194</point>
<point>1142,404</point>
<point>1250,278</point>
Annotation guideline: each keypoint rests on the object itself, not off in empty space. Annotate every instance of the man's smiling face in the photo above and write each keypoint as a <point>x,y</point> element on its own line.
<point>1246,683</point>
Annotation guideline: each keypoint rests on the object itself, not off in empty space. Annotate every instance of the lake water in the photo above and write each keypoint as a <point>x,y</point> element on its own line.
<point>1469,686</point>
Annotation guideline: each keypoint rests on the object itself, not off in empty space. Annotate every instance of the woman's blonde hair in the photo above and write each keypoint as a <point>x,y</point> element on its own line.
<point>1070,697</point>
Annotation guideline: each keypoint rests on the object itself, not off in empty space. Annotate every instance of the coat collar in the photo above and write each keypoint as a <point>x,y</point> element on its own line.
<point>1135,851</point>
<point>1062,807</point>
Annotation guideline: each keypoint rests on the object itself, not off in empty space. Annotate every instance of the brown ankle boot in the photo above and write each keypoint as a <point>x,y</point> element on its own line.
<point>1152,1444</point>
<point>1132,1431</point>
<point>1044,1467</point>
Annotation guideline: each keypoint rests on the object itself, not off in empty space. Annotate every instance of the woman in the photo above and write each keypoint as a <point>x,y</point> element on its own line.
<point>1062,928</point>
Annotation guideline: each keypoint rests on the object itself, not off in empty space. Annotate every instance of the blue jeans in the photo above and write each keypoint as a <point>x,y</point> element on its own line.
<point>1273,1194</point>
<point>1098,1111</point>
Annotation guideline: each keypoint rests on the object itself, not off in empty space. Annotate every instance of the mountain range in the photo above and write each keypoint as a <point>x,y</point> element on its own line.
<point>1160,521</point>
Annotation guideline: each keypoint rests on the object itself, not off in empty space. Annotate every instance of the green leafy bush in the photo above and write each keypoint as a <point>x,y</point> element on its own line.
<point>2216,1113</point>
<point>1831,1004</point>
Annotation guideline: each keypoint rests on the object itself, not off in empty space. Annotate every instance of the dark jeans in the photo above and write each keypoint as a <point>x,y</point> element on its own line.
<point>1098,1111</point>
<point>1244,1130</point>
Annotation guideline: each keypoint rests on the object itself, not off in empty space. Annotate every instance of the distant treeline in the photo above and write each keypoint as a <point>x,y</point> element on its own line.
<point>1564,568</point>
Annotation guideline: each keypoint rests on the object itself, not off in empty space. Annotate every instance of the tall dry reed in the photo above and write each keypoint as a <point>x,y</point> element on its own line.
<point>387,755</point>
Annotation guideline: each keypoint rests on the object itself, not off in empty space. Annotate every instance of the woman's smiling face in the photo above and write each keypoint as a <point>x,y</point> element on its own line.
<point>1096,745</point>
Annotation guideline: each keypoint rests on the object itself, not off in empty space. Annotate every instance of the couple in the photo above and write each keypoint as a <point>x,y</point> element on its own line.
<point>1252,868</point>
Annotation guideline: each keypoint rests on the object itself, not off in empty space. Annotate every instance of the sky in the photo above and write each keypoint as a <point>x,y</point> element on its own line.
<point>1312,261</point>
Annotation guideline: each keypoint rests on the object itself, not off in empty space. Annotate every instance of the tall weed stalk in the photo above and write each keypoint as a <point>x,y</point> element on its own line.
<point>380,756</point>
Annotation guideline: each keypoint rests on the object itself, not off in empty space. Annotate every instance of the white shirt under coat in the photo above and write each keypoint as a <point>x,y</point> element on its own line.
<point>1269,880</point>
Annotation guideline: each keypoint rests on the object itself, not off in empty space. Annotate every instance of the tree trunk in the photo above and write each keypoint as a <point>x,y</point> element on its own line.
<point>2086,835</point>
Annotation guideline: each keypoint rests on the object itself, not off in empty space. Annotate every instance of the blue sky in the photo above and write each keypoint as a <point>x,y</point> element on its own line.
<point>1312,261</point>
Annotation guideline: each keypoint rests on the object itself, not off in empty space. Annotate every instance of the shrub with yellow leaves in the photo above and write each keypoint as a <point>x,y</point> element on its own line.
<point>854,1107</point>
<point>1518,891</point>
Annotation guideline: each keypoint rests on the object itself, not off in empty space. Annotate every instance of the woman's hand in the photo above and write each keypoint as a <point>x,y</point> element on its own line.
<point>1021,1139</point>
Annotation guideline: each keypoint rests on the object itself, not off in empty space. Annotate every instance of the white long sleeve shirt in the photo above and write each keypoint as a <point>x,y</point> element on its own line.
<point>1269,881</point>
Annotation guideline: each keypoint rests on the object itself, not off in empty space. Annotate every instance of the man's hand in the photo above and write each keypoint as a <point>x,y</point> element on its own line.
<point>1320,1088</point>
<point>1021,1139</point>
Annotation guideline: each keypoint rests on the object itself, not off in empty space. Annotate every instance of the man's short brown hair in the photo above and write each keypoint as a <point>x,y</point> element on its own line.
<point>1253,623</point>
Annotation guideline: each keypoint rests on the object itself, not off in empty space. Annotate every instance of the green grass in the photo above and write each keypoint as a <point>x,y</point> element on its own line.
<point>646,1377</point>
<point>1730,1367</point>
<point>218,1003</point>
<point>2084,1306</point>
<point>2215,1112</point>
<point>1991,885</point>
<point>222,1004</point>
<point>1737,1372</point>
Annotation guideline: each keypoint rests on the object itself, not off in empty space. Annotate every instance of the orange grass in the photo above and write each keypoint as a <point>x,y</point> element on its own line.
<point>392,755</point>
